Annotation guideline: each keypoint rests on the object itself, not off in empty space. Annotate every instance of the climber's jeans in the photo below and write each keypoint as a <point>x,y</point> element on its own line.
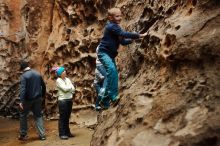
<point>65,109</point>
<point>35,106</point>
<point>111,90</point>
<point>100,86</point>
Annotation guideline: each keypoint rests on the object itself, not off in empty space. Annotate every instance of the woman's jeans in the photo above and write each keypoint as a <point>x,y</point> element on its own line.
<point>111,91</point>
<point>65,109</point>
<point>35,106</point>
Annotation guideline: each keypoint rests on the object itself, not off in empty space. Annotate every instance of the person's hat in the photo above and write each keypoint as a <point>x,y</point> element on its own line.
<point>60,70</point>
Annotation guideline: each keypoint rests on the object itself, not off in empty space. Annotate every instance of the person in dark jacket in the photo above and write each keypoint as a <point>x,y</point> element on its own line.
<point>107,51</point>
<point>32,89</point>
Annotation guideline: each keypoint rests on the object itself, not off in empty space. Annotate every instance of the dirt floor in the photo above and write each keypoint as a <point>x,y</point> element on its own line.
<point>9,133</point>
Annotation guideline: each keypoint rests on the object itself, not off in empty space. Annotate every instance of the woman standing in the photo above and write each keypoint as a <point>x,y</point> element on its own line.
<point>65,94</point>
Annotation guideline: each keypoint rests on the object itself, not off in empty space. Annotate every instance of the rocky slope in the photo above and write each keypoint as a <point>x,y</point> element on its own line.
<point>169,81</point>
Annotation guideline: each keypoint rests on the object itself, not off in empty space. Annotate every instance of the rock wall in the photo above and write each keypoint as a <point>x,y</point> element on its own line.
<point>52,33</point>
<point>169,81</point>
<point>169,85</point>
<point>24,33</point>
<point>72,43</point>
<point>11,50</point>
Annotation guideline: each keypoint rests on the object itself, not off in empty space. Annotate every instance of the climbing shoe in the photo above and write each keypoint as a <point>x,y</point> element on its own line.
<point>115,101</point>
<point>42,137</point>
<point>98,108</point>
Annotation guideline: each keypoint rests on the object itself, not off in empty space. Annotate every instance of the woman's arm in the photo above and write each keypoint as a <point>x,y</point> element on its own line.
<point>61,85</point>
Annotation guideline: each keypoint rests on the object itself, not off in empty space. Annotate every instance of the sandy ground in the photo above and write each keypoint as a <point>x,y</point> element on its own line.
<point>9,133</point>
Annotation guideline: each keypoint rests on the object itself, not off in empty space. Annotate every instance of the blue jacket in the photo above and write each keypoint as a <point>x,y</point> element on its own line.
<point>113,37</point>
<point>32,86</point>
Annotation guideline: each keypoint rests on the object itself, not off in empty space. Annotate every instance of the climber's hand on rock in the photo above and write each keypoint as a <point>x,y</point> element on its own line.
<point>143,35</point>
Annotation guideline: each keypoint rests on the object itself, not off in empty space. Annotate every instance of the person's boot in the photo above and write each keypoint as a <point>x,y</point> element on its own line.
<point>98,108</point>
<point>42,137</point>
<point>64,137</point>
<point>104,105</point>
<point>22,137</point>
<point>115,101</point>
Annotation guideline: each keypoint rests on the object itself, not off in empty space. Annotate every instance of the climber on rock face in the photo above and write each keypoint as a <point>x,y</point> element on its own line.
<point>107,51</point>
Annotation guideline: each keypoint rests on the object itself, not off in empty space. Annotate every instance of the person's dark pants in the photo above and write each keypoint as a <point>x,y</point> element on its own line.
<point>65,109</point>
<point>35,106</point>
